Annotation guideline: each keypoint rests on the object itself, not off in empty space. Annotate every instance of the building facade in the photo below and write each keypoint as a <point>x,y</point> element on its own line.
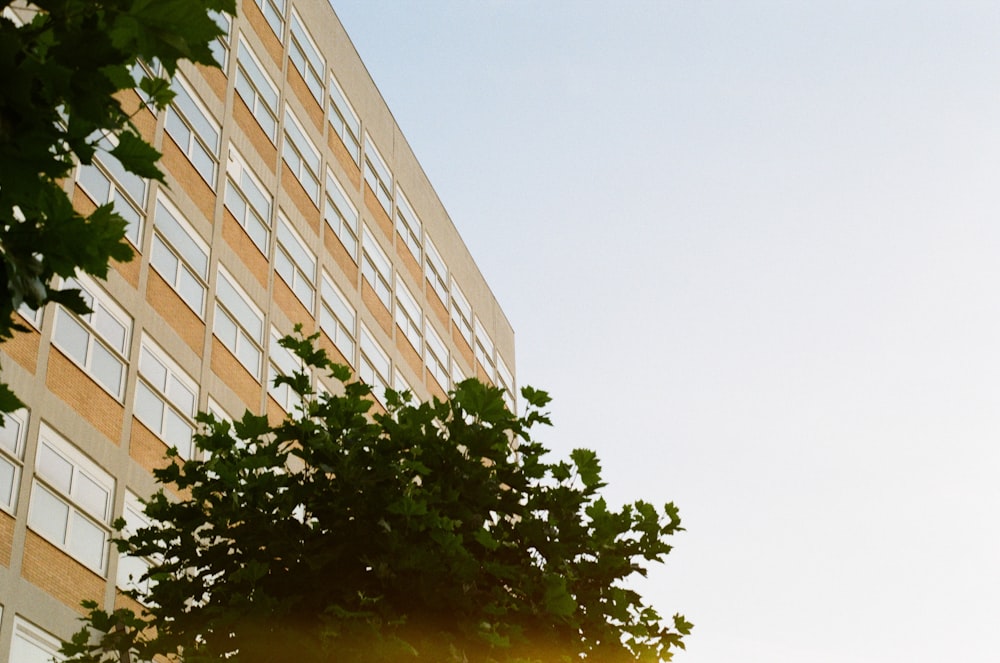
<point>291,197</point>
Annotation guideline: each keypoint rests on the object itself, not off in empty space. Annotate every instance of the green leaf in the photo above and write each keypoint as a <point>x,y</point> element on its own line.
<point>587,466</point>
<point>137,156</point>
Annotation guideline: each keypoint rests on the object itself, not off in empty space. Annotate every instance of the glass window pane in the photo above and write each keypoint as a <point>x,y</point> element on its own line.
<point>110,329</point>
<point>249,355</point>
<point>91,496</point>
<point>181,396</point>
<point>107,368</point>
<point>72,337</point>
<point>86,541</point>
<point>8,480</point>
<point>153,369</point>
<point>55,469</point>
<point>148,407</point>
<point>177,433</point>
<point>10,433</point>
<point>48,514</point>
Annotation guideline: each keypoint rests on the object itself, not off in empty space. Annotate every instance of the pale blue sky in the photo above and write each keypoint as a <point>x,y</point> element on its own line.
<point>753,251</point>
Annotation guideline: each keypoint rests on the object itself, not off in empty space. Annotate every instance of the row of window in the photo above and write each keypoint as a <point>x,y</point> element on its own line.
<point>304,159</point>
<point>193,128</point>
<point>70,498</point>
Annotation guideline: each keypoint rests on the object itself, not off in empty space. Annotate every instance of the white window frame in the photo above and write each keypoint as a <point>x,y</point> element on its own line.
<point>338,318</point>
<point>374,366</point>
<point>399,383</point>
<point>435,270</point>
<point>461,312</point>
<point>408,226</point>
<point>245,194</point>
<point>295,263</point>
<point>485,349</point>
<point>180,255</point>
<point>301,155</point>
<point>131,569</point>
<point>506,382</point>
<point>282,361</point>
<point>126,191</point>
<point>220,45</point>
<point>13,433</point>
<point>27,635</point>
<point>436,356</point>
<point>95,325</point>
<point>378,176</point>
<point>341,215</point>
<point>189,110</point>
<point>376,268</point>
<point>257,89</point>
<point>306,57</point>
<point>274,14</point>
<point>228,313</point>
<point>344,120</point>
<point>173,382</point>
<point>409,316</point>
<point>84,474</point>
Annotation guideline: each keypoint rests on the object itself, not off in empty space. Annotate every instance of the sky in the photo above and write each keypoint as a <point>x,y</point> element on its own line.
<point>752,249</point>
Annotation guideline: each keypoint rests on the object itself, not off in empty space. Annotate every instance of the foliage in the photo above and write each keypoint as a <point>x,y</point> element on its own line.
<point>61,72</point>
<point>431,532</point>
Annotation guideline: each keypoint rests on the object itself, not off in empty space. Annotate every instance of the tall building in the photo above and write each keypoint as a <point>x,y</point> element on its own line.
<point>291,197</point>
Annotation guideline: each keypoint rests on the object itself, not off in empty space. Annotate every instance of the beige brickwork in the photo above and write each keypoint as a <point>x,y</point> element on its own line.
<point>6,537</point>
<point>339,152</point>
<point>175,311</point>
<point>69,383</point>
<point>55,572</point>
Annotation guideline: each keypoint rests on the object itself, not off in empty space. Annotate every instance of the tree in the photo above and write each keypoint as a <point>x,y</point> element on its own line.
<point>61,73</point>
<point>429,532</point>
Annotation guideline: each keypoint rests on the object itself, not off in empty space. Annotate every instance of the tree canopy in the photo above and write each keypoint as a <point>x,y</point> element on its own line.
<point>63,64</point>
<point>429,531</point>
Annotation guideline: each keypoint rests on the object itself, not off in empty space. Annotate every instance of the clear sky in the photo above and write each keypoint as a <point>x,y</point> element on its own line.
<point>753,251</point>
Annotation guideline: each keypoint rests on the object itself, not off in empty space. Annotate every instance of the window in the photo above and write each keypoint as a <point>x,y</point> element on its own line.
<point>274,13</point>
<point>180,255</point>
<point>375,368</point>
<point>408,225</point>
<point>282,361</point>
<point>344,120</point>
<point>98,341</point>
<point>506,380</point>
<point>248,200</point>
<point>301,156</point>
<point>194,130</point>
<point>435,270</point>
<point>377,176</point>
<point>484,350</point>
<point>33,645</point>
<point>341,215</point>
<point>12,434</point>
<point>376,269</point>
<point>71,500</point>
<point>238,323</point>
<point>106,181</point>
<point>166,398</point>
<point>295,263</point>
<point>399,383</point>
<point>220,45</point>
<point>337,318</point>
<point>409,317</point>
<point>131,569</point>
<point>256,89</point>
<point>436,356</point>
<point>457,374</point>
<point>305,56</point>
<point>461,312</point>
